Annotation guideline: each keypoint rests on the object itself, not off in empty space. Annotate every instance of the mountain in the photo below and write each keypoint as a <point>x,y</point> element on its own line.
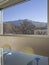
<point>36,23</point>
<point>15,27</point>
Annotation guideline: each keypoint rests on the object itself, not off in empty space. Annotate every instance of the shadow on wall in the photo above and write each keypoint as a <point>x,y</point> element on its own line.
<point>28,49</point>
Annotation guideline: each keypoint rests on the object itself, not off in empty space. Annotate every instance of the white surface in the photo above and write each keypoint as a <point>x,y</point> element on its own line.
<point>9,54</point>
<point>1,23</point>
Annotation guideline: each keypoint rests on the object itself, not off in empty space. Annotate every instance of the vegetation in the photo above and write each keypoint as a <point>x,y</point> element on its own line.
<point>24,27</point>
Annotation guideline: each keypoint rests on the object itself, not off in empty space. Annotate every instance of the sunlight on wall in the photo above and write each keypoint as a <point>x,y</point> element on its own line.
<point>6,46</point>
<point>29,50</point>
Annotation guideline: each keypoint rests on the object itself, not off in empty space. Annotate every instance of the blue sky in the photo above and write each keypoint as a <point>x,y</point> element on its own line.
<point>35,10</point>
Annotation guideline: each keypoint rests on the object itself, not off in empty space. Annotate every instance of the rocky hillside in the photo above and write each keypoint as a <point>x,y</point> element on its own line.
<point>22,26</point>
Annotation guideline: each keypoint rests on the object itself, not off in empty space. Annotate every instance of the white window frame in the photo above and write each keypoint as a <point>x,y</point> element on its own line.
<point>1,22</point>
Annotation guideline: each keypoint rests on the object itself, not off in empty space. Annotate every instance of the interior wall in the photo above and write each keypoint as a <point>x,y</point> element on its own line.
<point>39,44</point>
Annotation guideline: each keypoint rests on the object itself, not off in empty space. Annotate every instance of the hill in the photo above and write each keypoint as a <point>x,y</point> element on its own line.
<point>22,26</point>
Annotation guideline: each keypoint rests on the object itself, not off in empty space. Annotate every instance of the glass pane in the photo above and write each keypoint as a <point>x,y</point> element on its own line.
<point>26,18</point>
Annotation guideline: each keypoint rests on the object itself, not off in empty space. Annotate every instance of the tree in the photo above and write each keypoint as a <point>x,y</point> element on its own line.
<point>27,27</point>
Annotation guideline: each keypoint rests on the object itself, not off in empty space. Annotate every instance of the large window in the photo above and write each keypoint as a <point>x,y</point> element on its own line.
<point>26,18</point>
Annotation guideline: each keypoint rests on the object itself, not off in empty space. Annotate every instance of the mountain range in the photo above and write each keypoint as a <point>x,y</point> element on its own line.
<point>13,26</point>
<point>36,23</point>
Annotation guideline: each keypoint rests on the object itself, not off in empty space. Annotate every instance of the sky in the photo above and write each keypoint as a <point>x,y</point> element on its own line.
<point>35,10</point>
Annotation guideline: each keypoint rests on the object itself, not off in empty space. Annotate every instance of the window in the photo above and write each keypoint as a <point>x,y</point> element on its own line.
<point>26,18</point>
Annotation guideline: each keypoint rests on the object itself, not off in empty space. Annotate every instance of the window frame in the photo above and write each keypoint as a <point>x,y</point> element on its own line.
<point>22,35</point>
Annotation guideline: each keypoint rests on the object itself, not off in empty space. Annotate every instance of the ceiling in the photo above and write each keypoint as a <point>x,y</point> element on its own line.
<point>7,3</point>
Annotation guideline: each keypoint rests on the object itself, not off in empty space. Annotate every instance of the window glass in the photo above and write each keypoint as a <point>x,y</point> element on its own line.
<point>26,18</point>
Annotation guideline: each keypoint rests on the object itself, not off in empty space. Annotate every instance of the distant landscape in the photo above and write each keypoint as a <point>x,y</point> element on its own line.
<point>25,27</point>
